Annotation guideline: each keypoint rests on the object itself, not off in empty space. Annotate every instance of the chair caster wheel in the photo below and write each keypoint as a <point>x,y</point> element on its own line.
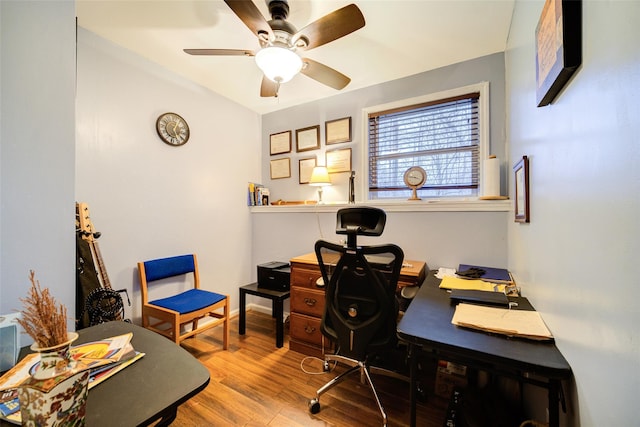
<point>314,406</point>
<point>325,366</point>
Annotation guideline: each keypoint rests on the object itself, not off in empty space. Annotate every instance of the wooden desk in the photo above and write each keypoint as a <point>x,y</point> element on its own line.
<point>150,389</point>
<point>307,301</point>
<point>426,326</point>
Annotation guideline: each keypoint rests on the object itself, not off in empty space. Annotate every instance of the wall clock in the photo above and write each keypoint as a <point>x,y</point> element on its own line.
<point>172,129</point>
<point>414,178</point>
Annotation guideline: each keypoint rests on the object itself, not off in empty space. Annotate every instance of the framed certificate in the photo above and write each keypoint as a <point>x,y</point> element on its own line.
<point>339,160</point>
<point>280,143</point>
<point>306,168</point>
<point>308,138</point>
<point>337,131</point>
<point>281,168</point>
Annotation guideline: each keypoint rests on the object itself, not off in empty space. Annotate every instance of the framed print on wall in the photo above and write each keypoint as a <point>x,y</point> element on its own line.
<point>337,131</point>
<point>305,169</point>
<point>521,173</point>
<point>281,168</point>
<point>308,138</point>
<point>338,160</point>
<point>280,143</point>
<point>558,47</point>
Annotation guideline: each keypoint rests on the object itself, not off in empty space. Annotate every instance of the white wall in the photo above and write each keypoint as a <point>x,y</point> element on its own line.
<point>37,128</point>
<point>152,200</point>
<point>577,259</point>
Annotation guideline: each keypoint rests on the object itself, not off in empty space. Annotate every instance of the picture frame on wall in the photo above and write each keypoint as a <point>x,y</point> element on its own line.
<point>521,175</point>
<point>280,168</point>
<point>338,160</point>
<point>305,168</point>
<point>558,47</point>
<point>308,138</point>
<point>338,131</point>
<point>280,143</point>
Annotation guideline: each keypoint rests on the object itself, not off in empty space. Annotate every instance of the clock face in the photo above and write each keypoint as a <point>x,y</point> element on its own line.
<point>172,129</point>
<point>415,177</point>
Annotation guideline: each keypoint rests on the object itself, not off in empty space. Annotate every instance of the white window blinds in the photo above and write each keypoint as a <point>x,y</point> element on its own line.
<point>441,136</point>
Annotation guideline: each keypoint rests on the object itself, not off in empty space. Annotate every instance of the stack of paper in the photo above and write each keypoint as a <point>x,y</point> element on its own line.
<point>451,282</point>
<point>518,323</point>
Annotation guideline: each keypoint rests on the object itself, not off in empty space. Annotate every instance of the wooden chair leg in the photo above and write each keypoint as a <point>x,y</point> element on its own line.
<point>225,339</point>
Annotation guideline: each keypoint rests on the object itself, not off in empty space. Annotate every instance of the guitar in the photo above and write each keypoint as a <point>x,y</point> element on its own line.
<point>85,228</point>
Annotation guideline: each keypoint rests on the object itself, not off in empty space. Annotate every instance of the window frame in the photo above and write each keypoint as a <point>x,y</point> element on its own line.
<point>484,142</point>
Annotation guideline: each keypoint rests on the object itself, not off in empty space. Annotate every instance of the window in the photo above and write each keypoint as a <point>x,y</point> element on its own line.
<point>442,133</point>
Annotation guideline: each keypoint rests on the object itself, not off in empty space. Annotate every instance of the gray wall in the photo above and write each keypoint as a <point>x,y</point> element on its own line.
<point>350,104</point>
<point>149,199</point>
<point>577,259</point>
<point>37,128</point>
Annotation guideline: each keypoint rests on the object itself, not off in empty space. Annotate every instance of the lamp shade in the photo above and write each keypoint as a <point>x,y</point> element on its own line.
<point>278,63</point>
<point>320,176</point>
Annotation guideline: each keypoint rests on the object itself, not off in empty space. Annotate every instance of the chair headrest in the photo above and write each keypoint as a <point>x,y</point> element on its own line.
<point>364,221</point>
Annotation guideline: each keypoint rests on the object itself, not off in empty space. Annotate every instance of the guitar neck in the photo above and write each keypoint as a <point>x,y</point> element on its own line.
<point>84,225</point>
<point>102,270</point>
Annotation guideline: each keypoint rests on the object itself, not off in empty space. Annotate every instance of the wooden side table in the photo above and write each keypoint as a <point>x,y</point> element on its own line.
<point>277,301</point>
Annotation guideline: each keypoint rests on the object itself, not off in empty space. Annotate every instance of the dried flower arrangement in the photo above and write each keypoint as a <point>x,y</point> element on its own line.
<point>42,318</point>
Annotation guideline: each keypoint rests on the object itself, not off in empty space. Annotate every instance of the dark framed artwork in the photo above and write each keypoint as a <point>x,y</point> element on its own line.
<point>521,174</point>
<point>558,47</point>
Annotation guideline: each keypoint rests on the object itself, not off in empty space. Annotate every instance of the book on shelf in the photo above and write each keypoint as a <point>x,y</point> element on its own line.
<point>257,195</point>
<point>104,358</point>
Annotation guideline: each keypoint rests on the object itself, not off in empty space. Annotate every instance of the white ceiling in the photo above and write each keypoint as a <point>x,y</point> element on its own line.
<point>400,38</point>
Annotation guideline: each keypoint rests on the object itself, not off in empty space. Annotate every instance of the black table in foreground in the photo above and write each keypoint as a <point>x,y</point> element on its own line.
<point>150,389</point>
<point>426,326</point>
<point>277,303</point>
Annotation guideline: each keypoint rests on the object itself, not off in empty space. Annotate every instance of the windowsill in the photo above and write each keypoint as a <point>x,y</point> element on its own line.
<point>471,205</point>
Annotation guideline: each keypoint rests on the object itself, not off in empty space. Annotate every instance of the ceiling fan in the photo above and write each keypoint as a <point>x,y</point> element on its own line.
<point>280,43</point>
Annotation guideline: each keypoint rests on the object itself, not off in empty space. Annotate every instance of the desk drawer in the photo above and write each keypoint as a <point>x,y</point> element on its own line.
<point>307,301</point>
<point>306,328</point>
<point>305,277</point>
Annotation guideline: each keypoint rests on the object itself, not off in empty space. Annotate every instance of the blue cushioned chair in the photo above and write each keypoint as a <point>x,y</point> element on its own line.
<point>166,316</point>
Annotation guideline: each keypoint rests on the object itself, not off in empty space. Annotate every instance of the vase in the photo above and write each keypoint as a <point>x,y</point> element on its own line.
<point>56,392</point>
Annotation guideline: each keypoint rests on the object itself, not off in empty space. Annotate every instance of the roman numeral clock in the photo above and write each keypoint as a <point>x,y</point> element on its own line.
<point>172,129</point>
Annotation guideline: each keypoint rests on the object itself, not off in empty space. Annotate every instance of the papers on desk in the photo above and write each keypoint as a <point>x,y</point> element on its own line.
<point>517,323</point>
<point>452,282</point>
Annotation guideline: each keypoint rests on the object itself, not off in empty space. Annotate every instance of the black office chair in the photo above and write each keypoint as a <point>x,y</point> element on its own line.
<point>360,305</point>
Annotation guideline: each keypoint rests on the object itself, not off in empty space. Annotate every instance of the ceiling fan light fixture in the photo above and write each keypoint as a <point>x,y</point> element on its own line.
<point>279,64</point>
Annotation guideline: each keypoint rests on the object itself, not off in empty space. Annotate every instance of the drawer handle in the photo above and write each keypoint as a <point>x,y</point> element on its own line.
<point>310,301</point>
<point>309,329</point>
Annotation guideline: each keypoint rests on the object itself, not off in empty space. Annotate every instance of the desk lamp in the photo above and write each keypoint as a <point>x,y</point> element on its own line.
<point>320,178</point>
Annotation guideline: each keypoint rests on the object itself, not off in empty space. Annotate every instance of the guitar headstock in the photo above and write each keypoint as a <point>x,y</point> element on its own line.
<point>83,222</point>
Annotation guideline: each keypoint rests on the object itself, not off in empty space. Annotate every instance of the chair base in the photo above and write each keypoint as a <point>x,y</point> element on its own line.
<point>365,377</point>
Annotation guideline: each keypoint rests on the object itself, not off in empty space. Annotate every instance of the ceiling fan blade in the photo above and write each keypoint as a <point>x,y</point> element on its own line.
<point>232,52</point>
<point>249,13</point>
<point>330,27</point>
<point>323,74</point>
<point>268,88</point>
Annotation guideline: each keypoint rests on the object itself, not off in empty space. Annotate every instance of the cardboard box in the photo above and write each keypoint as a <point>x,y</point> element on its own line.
<point>448,376</point>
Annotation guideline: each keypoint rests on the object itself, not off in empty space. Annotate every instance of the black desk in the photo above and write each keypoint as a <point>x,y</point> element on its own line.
<point>151,388</point>
<point>426,326</point>
<point>277,302</point>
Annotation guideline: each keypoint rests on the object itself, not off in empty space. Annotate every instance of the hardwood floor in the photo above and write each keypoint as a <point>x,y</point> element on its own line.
<point>254,383</point>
